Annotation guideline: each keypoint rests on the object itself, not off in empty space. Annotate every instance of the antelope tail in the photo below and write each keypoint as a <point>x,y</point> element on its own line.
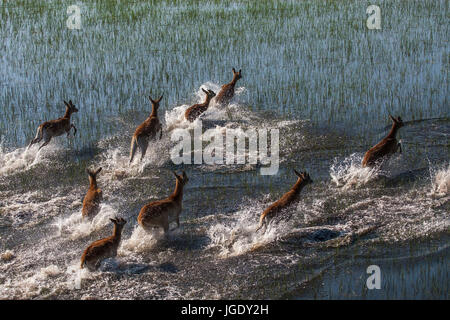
<point>133,148</point>
<point>37,138</point>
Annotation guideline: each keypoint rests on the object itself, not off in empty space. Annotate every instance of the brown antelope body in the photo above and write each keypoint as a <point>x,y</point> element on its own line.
<point>91,202</point>
<point>196,110</point>
<point>287,199</point>
<point>162,212</point>
<point>146,131</point>
<point>386,147</point>
<point>226,93</point>
<point>103,248</point>
<point>55,128</point>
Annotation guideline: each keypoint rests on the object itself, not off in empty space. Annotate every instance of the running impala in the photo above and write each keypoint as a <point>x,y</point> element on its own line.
<point>386,147</point>
<point>286,200</point>
<point>196,110</point>
<point>55,128</point>
<point>162,212</point>
<point>146,131</point>
<point>91,202</point>
<point>226,93</point>
<point>103,248</point>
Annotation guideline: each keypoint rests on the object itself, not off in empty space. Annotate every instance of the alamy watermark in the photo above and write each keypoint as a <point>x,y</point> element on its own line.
<point>260,147</point>
<point>374,20</point>
<point>374,281</point>
<point>74,19</point>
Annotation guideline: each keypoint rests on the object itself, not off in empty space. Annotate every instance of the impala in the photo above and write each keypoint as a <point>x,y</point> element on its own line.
<point>146,131</point>
<point>386,147</point>
<point>91,202</point>
<point>286,200</point>
<point>196,110</point>
<point>55,128</point>
<point>103,248</point>
<point>226,93</point>
<point>162,212</point>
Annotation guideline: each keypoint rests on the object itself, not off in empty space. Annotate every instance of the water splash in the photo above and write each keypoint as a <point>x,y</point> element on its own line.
<point>116,162</point>
<point>237,234</point>
<point>349,173</point>
<point>75,227</point>
<point>175,119</point>
<point>75,275</point>
<point>440,181</point>
<point>34,283</point>
<point>22,159</point>
<point>29,208</point>
<point>139,241</point>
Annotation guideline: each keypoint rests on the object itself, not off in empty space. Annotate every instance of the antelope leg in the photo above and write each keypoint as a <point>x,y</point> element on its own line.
<point>34,141</point>
<point>143,144</point>
<point>166,226</point>
<point>178,224</point>
<point>45,143</point>
<point>74,129</point>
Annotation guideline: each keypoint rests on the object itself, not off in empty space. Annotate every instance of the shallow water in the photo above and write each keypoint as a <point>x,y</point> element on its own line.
<point>310,69</point>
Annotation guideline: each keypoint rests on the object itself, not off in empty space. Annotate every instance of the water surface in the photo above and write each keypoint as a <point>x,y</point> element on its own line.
<point>311,69</point>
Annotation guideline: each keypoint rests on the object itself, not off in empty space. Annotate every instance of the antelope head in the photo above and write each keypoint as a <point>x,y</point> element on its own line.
<point>209,93</point>
<point>155,103</point>
<point>304,176</point>
<point>398,122</point>
<point>118,224</point>
<point>93,175</point>
<point>182,179</point>
<point>70,107</point>
<point>237,75</point>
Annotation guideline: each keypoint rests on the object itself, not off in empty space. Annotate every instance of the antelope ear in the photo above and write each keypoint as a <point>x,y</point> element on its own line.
<point>176,175</point>
<point>297,174</point>
<point>234,71</point>
<point>65,102</point>
<point>113,220</point>
<point>392,118</point>
<point>160,98</point>
<point>98,170</point>
<point>240,71</point>
<point>399,119</point>
<point>184,175</point>
<point>204,91</point>
<point>151,100</point>
<point>88,171</point>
